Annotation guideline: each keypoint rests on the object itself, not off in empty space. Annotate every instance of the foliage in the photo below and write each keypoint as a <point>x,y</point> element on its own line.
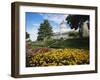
<point>60,43</point>
<point>73,34</point>
<point>27,35</point>
<point>45,31</point>
<point>58,57</point>
<point>72,43</point>
<point>76,21</point>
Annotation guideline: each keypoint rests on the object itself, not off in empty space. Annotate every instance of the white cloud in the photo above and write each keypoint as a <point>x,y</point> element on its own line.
<point>56,29</point>
<point>57,18</point>
<point>34,32</point>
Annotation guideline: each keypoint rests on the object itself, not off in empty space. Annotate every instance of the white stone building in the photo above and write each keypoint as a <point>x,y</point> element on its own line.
<point>64,33</point>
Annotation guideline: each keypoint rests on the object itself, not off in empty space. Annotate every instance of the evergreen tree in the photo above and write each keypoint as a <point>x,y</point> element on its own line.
<point>45,31</point>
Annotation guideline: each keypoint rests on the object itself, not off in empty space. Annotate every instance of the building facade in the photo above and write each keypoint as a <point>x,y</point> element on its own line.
<point>64,33</point>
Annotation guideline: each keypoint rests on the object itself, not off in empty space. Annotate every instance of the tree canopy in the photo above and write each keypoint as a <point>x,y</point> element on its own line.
<point>76,21</point>
<point>45,31</point>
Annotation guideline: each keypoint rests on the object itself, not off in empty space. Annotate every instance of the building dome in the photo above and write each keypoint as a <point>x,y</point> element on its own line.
<point>63,27</point>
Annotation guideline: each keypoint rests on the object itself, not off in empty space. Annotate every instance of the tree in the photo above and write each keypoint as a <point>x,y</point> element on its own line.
<point>76,21</point>
<point>27,35</point>
<point>45,31</point>
<point>73,34</point>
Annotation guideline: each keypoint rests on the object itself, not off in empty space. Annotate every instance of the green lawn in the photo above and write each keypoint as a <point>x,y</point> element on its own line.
<point>68,43</point>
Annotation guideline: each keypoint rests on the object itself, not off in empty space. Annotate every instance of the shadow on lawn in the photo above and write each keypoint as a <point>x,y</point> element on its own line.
<point>80,43</point>
<point>72,43</point>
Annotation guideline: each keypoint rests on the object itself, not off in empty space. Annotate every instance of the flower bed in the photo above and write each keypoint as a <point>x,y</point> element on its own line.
<point>57,57</point>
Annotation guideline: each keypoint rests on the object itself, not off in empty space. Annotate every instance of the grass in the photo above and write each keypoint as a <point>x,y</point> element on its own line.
<point>68,43</point>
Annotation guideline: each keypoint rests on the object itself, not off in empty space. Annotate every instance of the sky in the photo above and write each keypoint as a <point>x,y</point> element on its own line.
<point>33,21</point>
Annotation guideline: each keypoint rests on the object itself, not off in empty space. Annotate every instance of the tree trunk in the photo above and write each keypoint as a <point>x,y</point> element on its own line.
<point>80,30</point>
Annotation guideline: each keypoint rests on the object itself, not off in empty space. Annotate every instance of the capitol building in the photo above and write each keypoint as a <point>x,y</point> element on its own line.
<point>64,32</point>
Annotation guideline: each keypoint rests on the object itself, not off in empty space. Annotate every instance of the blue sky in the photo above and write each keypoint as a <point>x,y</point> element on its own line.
<point>33,21</point>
